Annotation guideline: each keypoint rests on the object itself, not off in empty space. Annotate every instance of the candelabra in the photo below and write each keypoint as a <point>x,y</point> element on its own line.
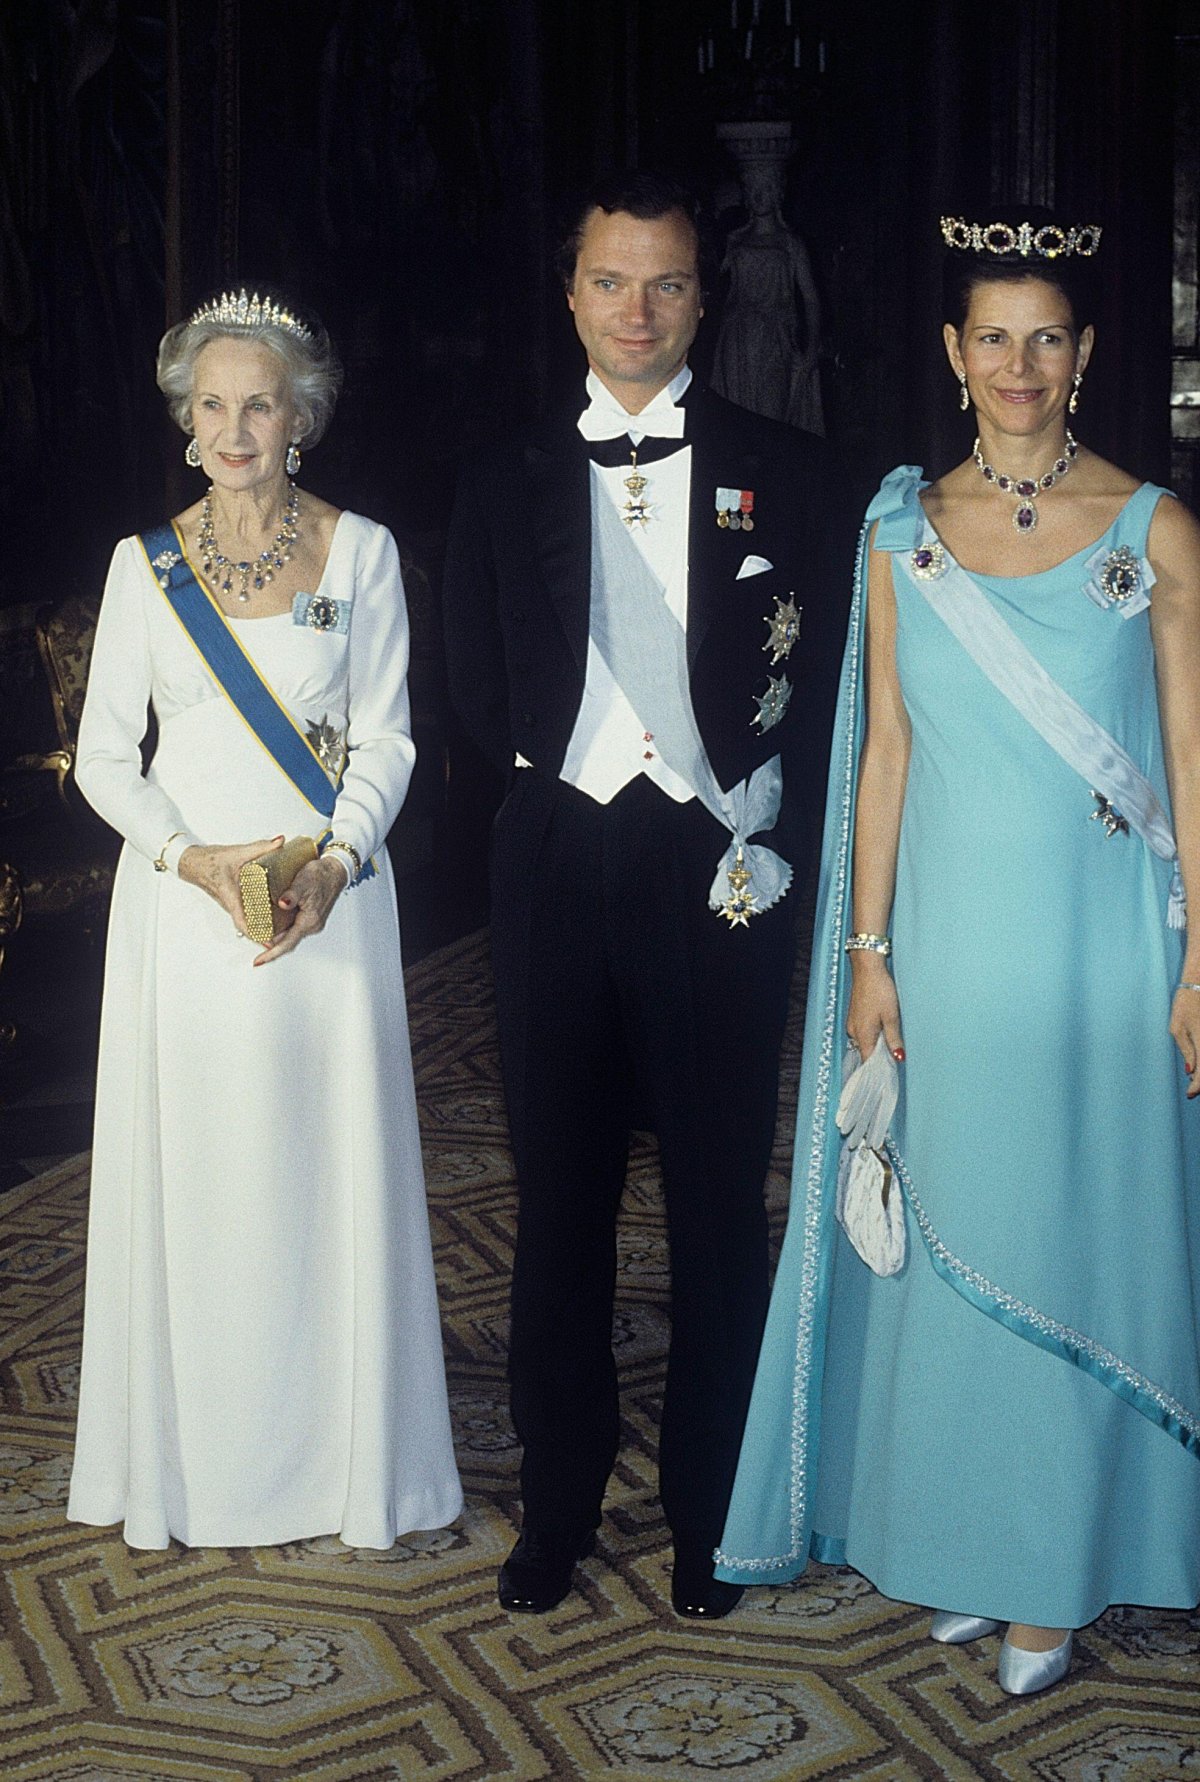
<point>761,59</point>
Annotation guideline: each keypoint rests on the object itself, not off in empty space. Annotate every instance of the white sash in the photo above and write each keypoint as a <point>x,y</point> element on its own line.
<point>1058,719</point>
<point>645,648</point>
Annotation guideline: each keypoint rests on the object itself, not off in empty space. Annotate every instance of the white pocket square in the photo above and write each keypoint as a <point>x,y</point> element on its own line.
<point>753,566</point>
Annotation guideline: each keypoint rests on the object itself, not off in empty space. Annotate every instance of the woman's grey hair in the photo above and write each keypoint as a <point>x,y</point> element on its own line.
<point>313,369</point>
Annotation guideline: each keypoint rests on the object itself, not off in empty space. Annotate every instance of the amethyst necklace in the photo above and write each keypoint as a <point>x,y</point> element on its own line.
<point>1027,488</point>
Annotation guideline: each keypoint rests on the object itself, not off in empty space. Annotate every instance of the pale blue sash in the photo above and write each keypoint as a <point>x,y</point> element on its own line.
<point>1059,720</point>
<point>645,648</point>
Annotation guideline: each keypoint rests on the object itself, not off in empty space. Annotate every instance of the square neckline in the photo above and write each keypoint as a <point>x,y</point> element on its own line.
<point>1033,575</point>
<point>265,618</point>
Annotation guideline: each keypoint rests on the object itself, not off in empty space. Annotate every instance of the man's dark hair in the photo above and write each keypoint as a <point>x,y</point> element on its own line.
<point>647,196</point>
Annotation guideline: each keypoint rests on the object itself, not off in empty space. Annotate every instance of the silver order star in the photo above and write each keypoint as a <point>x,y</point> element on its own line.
<point>773,703</point>
<point>1108,814</point>
<point>784,627</point>
<point>327,745</point>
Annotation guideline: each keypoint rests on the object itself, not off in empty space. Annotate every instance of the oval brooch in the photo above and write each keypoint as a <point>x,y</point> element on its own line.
<point>321,613</point>
<point>1120,575</point>
<point>1119,580</point>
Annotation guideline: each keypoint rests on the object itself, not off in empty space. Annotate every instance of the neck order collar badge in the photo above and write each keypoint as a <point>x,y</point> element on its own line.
<point>637,509</point>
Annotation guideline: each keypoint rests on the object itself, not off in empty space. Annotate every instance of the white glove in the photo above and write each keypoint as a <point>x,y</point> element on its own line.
<point>869,1095</point>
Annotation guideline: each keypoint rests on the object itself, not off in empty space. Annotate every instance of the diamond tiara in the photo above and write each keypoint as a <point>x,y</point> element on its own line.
<point>236,309</point>
<point>1048,240</point>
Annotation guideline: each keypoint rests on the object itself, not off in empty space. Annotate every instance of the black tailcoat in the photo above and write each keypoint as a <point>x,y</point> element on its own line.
<point>614,978</point>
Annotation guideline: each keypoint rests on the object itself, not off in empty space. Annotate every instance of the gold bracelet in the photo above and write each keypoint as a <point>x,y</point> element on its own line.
<point>344,847</point>
<point>160,865</point>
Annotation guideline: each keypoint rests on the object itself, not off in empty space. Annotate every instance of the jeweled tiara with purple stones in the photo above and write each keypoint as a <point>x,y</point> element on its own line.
<point>1048,240</point>
<point>237,309</point>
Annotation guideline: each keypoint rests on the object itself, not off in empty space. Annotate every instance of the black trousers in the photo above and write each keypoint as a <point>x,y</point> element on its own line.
<point>617,986</point>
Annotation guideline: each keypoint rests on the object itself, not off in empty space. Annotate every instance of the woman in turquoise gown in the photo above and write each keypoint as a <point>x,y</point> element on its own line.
<point>1008,1428</point>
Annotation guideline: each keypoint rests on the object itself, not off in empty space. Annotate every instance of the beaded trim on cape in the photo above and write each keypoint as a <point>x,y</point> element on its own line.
<point>828,1055</point>
<point>1136,1388</point>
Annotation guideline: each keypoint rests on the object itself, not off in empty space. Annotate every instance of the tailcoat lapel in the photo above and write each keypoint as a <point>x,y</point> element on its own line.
<point>559,510</point>
<point>713,554</point>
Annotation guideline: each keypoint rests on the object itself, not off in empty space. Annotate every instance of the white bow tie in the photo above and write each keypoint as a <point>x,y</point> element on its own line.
<point>608,420</point>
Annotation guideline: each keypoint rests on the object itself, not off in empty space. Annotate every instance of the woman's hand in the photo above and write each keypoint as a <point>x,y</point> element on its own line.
<point>874,1006</point>
<point>308,899</point>
<point>216,870</point>
<point>1185,1031</point>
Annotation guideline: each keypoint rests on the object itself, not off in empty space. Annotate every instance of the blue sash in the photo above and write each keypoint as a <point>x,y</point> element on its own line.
<point>235,673</point>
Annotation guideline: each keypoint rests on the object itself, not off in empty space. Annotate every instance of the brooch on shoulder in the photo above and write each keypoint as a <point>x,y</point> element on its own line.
<point>321,613</point>
<point>928,561</point>
<point>165,563</point>
<point>1120,579</point>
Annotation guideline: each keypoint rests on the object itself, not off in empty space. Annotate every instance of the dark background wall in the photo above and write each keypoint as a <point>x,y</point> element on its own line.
<point>402,165</point>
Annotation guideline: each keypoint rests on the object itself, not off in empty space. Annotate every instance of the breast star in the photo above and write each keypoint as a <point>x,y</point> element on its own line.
<point>784,627</point>
<point>327,745</point>
<point>773,703</point>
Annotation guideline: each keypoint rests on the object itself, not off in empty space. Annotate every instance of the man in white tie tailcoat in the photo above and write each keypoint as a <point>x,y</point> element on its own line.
<point>638,634</point>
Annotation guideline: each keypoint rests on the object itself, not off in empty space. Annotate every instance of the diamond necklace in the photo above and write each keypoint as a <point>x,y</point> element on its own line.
<point>1028,488</point>
<point>264,565</point>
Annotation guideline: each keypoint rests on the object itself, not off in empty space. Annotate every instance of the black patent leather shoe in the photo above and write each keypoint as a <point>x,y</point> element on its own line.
<point>538,1573</point>
<point>694,1590</point>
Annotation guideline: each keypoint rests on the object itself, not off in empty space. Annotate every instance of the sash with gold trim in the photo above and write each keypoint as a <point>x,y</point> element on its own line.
<point>235,673</point>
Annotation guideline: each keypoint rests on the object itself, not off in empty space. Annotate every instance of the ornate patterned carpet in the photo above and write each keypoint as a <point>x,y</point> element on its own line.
<point>311,1661</point>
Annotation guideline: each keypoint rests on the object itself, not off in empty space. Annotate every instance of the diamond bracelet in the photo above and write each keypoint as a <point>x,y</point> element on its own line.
<point>869,943</point>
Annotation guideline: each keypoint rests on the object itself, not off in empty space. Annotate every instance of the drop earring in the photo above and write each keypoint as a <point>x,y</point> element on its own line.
<point>191,453</point>
<point>292,462</point>
<point>1073,404</point>
<point>964,398</point>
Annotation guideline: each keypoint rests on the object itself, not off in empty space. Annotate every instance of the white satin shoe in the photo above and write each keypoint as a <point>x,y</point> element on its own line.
<point>955,1630</point>
<point>1024,1673</point>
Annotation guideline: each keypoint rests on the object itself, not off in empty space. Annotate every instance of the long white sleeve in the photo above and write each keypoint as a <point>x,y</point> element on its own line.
<point>108,768</point>
<point>381,748</point>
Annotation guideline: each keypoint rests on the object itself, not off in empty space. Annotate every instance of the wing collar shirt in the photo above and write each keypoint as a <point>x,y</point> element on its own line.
<point>610,744</point>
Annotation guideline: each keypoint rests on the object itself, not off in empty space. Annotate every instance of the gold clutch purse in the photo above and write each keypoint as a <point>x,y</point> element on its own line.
<point>263,882</point>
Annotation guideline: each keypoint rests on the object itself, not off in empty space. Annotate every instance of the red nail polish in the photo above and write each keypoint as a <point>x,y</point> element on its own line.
<point>898,1054</point>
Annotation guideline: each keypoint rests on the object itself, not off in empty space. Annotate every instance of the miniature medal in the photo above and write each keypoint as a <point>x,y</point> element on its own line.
<point>729,509</point>
<point>746,503</point>
<point>784,627</point>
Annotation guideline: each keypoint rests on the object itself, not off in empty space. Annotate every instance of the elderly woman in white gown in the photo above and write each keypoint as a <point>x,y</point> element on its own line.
<point>262,1354</point>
